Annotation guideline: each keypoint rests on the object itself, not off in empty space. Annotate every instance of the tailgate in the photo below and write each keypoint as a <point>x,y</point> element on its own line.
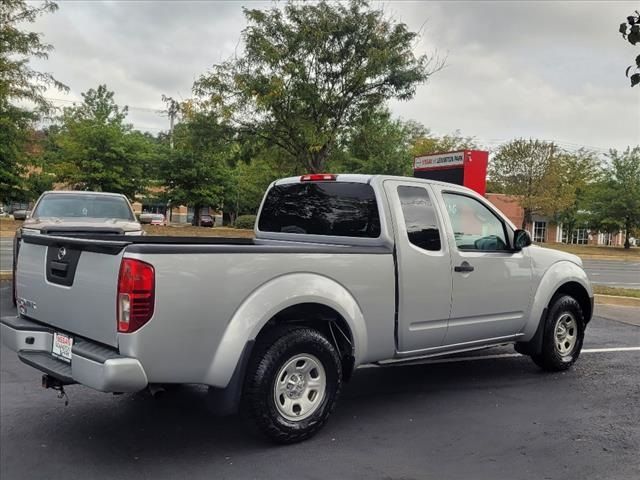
<point>70,284</point>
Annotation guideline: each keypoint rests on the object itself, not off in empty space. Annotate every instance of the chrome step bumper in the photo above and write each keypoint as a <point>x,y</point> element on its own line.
<point>92,364</point>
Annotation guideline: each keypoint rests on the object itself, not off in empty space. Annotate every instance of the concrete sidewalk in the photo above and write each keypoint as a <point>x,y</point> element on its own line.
<point>625,314</point>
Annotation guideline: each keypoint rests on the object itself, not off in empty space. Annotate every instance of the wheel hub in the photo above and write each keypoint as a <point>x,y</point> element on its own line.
<point>295,385</point>
<point>566,334</point>
<point>300,387</point>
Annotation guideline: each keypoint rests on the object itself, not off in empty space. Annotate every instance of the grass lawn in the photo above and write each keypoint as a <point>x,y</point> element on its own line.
<point>620,292</point>
<point>593,251</point>
<point>8,227</point>
<point>189,231</point>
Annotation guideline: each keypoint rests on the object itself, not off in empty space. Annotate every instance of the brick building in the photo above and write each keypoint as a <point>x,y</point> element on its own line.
<point>545,230</point>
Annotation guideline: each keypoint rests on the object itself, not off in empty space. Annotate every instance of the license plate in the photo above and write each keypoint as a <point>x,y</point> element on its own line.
<point>62,347</point>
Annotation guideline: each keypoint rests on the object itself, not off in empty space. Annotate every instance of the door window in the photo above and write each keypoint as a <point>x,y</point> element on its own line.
<point>419,218</point>
<point>475,227</point>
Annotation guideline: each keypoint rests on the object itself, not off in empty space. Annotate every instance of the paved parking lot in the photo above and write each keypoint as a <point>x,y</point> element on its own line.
<point>492,418</point>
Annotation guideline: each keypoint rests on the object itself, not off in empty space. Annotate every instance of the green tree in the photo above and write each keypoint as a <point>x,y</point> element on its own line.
<point>578,173</point>
<point>429,143</point>
<point>96,150</point>
<point>196,171</point>
<point>534,170</point>
<point>615,200</point>
<point>246,185</point>
<point>310,70</point>
<point>379,144</point>
<point>19,82</point>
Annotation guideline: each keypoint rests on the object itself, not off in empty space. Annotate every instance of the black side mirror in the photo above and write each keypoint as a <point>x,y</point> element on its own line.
<point>521,239</point>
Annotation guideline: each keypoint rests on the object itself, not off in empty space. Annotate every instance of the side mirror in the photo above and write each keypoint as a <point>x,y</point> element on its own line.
<point>521,239</point>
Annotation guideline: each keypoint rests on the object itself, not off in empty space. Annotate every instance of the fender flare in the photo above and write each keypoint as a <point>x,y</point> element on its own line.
<point>558,274</point>
<point>273,297</point>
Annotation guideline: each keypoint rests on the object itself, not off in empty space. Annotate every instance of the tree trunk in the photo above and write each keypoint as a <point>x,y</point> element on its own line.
<point>196,215</point>
<point>526,218</point>
<point>627,234</point>
<point>317,161</point>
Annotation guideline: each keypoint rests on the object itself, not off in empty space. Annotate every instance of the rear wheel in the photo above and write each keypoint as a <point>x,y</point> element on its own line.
<point>563,335</point>
<point>293,382</point>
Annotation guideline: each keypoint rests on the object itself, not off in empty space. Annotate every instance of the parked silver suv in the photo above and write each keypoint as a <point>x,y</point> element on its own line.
<point>59,212</point>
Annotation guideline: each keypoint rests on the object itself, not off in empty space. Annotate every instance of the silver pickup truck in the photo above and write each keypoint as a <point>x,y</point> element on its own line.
<point>344,270</point>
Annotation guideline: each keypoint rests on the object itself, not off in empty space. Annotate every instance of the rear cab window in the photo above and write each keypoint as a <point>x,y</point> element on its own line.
<point>341,209</point>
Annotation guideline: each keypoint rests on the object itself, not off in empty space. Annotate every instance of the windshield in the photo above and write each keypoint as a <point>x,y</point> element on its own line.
<point>83,206</point>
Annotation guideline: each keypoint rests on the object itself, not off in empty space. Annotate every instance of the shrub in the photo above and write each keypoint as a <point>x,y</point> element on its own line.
<point>246,221</point>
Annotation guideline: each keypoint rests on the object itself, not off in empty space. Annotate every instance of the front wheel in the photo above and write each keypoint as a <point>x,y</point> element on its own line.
<point>563,335</point>
<point>292,385</point>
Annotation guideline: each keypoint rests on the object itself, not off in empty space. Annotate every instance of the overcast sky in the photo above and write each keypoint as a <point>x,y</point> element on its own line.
<point>551,70</point>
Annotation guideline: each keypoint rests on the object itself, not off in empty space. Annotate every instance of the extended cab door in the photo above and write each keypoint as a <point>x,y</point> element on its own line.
<point>423,266</point>
<point>491,282</point>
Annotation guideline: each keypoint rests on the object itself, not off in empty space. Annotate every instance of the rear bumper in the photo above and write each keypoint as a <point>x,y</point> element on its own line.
<point>92,364</point>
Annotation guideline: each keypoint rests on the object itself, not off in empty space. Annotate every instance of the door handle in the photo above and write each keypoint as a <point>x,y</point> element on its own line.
<point>464,267</point>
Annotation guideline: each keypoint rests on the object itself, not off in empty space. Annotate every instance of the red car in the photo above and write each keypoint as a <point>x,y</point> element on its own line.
<point>207,221</point>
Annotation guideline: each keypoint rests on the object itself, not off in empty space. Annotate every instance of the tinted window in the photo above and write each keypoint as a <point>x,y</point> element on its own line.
<point>323,208</point>
<point>83,205</point>
<point>475,226</point>
<point>419,218</point>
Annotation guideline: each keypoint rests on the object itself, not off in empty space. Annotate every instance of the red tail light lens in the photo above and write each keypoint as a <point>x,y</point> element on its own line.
<point>136,294</point>
<point>317,177</point>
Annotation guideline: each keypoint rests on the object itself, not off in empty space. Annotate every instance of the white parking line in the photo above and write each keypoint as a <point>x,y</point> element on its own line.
<point>612,349</point>
<point>490,357</point>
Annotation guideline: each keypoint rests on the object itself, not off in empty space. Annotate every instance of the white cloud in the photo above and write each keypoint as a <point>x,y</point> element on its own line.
<point>552,70</point>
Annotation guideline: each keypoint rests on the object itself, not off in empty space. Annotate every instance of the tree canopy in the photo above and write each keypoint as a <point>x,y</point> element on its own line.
<point>20,83</point>
<point>195,172</point>
<point>310,70</point>
<point>532,169</point>
<point>94,149</point>
<point>615,200</point>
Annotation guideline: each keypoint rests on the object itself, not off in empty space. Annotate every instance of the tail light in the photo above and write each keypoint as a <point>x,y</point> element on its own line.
<point>136,294</point>
<point>318,177</point>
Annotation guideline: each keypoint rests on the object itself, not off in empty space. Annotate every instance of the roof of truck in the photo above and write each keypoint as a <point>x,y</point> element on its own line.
<point>82,192</point>
<point>361,178</point>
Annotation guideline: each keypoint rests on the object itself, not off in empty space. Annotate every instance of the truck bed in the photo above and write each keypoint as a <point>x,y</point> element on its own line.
<point>196,293</point>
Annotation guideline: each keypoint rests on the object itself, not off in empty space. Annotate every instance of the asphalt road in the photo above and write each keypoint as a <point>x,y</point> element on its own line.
<point>614,273</point>
<point>494,418</point>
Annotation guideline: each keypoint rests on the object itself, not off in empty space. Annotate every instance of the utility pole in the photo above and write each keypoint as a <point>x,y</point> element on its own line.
<point>173,107</point>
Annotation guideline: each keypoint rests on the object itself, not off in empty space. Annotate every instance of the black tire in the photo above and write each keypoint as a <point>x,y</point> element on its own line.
<point>551,358</point>
<point>271,354</point>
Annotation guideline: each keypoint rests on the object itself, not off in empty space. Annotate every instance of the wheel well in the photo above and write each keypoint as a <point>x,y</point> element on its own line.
<point>578,292</point>
<point>324,319</point>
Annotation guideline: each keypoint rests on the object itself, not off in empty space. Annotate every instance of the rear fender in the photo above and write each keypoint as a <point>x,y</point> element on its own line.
<point>273,297</point>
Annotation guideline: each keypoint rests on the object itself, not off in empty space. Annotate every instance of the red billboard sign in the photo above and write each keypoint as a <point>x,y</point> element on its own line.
<point>465,167</point>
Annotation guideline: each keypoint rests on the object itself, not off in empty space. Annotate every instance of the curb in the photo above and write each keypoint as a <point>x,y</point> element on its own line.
<point>617,300</point>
